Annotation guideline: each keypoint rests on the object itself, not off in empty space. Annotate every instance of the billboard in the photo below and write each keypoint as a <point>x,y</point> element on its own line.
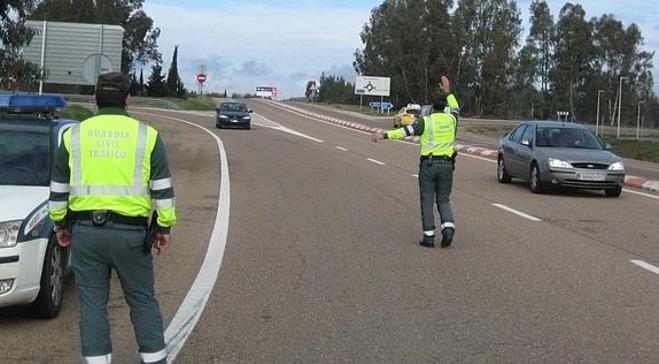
<point>266,91</point>
<point>73,53</point>
<point>372,86</point>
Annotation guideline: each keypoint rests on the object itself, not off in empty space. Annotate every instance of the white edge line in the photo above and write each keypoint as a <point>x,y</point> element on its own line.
<point>646,266</point>
<point>641,194</point>
<point>376,161</point>
<point>193,304</point>
<point>516,212</point>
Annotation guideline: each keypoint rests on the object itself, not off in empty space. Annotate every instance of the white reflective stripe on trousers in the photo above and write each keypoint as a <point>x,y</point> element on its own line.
<point>154,357</point>
<point>59,187</point>
<point>448,225</point>
<point>80,191</point>
<point>103,359</point>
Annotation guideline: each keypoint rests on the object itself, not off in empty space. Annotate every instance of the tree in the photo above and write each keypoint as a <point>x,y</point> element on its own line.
<point>14,35</point>
<point>140,37</point>
<point>175,86</point>
<point>573,56</point>
<point>141,82</point>
<point>156,87</point>
<point>541,38</point>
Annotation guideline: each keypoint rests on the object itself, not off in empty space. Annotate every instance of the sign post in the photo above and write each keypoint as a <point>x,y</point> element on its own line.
<point>201,78</point>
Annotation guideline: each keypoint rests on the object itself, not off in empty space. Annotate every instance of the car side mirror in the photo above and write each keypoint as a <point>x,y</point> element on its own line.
<point>251,111</point>
<point>607,146</point>
<point>217,109</point>
<point>526,142</point>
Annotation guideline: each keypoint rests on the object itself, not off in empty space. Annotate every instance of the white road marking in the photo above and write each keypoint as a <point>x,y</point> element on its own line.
<point>376,161</point>
<point>415,175</point>
<point>287,130</point>
<point>193,304</point>
<point>516,212</point>
<point>646,266</point>
<point>342,149</point>
<point>641,194</point>
<point>476,157</point>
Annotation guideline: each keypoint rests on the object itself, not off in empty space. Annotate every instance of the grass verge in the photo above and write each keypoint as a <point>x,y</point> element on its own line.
<point>76,112</point>
<point>194,103</point>
<point>633,149</point>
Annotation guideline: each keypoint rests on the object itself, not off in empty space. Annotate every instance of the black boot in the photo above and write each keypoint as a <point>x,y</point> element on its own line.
<point>447,236</point>
<point>428,242</point>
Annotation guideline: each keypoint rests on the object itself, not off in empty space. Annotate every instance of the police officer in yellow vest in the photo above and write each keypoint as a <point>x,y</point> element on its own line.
<point>437,138</point>
<point>108,174</point>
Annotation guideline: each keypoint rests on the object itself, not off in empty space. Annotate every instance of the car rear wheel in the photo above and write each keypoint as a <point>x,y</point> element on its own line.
<point>49,299</point>
<point>535,181</point>
<point>614,192</point>
<point>502,173</point>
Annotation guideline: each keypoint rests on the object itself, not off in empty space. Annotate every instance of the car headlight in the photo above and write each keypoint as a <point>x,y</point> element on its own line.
<point>9,233</point>
<point>557,163</point>
<point>617,166</point>
<point>246,118</point>
<point>223,117</point>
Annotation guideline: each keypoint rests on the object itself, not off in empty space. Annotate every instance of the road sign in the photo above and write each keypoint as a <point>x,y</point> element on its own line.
<point>372,86</point>
<point>62,50</point>
<point>266,91</point>
<point>386,106</point>
<point>201,78</point>
<point>95,65</point>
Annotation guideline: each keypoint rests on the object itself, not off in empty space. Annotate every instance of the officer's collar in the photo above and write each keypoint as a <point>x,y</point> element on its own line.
<point>112,111</point>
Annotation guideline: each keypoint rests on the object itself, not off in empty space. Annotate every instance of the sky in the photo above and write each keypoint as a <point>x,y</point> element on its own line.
<point>284,44</point>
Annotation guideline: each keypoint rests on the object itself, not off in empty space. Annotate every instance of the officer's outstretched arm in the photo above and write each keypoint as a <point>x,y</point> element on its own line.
<point>414,129</point>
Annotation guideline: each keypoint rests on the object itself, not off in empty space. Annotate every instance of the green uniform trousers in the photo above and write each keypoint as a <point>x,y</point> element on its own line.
<point>435,184</point>
<point>95,252</point>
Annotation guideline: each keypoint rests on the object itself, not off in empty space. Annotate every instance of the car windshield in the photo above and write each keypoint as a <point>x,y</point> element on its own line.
<point>234,107</point>
<point>561,137</point>
<point>24,158</point>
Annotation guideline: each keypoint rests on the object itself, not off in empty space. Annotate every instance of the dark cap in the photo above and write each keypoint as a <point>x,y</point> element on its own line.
<point>438,101</point>
<point>113,81</point>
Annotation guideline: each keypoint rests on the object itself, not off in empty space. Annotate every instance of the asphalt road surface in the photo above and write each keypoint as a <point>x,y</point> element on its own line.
<point>321,262</point>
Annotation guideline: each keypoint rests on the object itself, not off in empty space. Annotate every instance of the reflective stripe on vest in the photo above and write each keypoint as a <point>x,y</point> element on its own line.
<point>439,136</point>
<point>80,190</point>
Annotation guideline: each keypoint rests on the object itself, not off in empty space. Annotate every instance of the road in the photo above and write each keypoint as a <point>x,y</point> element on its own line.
<point>642,169</point>
<point>321,262</point>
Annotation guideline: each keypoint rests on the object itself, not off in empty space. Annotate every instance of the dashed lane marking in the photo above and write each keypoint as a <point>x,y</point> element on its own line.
<point>341,149</point>
<point>646,266</point>
<point>516,212</point>
<point>376,161</point>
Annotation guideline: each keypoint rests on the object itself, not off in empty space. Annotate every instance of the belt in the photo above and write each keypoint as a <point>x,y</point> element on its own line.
<point>99,218</point>
<point>445,158</point>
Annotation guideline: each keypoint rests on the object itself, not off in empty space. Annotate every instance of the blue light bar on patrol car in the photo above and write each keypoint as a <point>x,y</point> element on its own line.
<point>31,103</point>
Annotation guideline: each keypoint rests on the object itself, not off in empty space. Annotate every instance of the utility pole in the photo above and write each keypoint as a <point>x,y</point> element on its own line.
<point>597,122</point>
<point>638,121</point>
<point>620,103</point>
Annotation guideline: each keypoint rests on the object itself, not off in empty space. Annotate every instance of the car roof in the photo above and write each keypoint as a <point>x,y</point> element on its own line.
<point>232,103</point>
<point>554,124</point>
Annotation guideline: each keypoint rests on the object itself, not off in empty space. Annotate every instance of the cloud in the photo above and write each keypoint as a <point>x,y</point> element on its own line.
<point>243,46</point>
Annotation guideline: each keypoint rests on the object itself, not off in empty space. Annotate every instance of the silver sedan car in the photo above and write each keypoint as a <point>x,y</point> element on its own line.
<point>556,154</point>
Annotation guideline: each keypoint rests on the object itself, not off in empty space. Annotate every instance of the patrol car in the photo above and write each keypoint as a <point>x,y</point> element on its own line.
<point>32,265</point>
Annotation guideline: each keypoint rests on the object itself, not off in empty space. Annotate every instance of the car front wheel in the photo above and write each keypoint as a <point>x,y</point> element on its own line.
<point>49,299</point>
<point>535,181</point>
<point>502,173</point>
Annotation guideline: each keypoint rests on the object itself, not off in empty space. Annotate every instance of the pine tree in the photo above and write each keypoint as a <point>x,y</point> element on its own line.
<point>156,87</point>
<point>175,86</point>
<point>141,92</point>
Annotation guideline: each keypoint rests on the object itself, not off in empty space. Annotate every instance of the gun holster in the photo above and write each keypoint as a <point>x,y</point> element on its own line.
<point>151,232</point>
